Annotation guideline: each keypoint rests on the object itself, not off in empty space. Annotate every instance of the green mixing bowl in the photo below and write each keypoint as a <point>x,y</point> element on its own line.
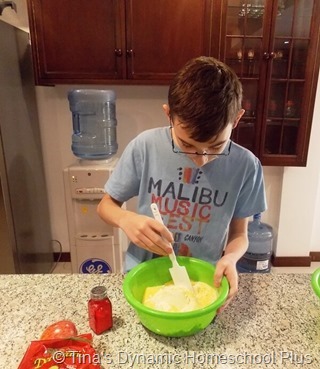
<point>155,272</point>
<point>315,281</point>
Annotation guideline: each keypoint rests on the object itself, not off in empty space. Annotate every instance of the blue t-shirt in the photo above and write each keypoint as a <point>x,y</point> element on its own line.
<point>196,203</point>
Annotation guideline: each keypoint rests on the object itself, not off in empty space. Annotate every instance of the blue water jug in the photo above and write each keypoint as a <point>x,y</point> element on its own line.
<point>257,259</point>
<point>94,123</point>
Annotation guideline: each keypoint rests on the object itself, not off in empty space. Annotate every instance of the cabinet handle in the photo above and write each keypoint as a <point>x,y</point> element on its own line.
<point>267,56</point>
<point>118,52</point>
<point>129,52</point>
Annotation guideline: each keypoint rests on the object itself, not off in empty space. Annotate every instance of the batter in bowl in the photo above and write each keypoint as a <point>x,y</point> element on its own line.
<point>171,298</point>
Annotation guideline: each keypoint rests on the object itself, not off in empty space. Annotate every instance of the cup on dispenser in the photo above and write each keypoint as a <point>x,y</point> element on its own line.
<point>94,123</point>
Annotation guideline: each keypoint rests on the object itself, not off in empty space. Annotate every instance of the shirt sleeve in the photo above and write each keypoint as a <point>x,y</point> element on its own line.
<point>252,197</point>
<point>124,182</point>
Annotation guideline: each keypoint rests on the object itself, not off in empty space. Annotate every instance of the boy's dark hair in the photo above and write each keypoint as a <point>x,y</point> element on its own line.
<point>205,95</point>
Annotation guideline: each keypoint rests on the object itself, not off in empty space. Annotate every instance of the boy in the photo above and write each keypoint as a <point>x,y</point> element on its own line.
<point>205,185</point>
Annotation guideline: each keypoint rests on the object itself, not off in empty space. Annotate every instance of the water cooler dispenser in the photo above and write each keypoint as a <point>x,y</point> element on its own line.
<point>95,246</point>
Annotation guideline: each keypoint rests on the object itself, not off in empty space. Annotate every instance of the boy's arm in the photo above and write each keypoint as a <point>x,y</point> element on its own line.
<point>140,229</point>
<point>236,247</point>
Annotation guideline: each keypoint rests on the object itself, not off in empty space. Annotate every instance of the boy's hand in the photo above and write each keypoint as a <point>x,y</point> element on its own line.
<point>226,266</point>
<point>147,233</point>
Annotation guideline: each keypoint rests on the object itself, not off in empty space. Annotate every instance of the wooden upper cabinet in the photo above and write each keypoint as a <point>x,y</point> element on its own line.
<point>163,35</point>
<point>76,41</point>
<point>272,45</point>
<point>118,41</point>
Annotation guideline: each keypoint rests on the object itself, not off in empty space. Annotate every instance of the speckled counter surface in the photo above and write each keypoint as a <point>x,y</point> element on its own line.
<point>274,322</point>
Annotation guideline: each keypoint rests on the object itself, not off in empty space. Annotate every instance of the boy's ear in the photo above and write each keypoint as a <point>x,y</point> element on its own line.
<point>166,110</point>
<point>239,115</point>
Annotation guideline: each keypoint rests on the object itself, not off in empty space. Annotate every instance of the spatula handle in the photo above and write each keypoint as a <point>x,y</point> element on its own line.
<point>157,216</point>
<point>178,273</point>
<point>156,213</point>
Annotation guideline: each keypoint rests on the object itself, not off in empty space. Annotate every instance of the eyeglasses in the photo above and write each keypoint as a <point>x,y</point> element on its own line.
<point>212,155</point>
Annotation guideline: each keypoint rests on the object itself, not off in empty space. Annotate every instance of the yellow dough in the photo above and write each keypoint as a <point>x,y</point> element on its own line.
<point>171,298</point>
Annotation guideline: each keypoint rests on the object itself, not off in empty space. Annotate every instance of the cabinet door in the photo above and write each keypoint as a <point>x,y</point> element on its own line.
<point>291,82</point>
<point>76,41</point>
<point>162,35</point>
<point>272,46</point>
<point>245,36</point>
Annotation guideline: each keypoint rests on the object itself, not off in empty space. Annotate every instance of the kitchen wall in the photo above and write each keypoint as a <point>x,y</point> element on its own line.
<point>299,230</point>
<point>293,193</point>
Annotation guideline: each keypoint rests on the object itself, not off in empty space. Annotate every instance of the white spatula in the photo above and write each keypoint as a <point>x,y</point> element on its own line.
<point>178,273</point>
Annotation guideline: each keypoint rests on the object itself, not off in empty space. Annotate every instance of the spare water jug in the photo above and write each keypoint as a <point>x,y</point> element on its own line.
<point>257,259</point>
<point>94,123</point>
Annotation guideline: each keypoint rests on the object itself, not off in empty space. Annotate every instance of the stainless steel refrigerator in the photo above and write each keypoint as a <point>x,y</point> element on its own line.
<point>25,235</point>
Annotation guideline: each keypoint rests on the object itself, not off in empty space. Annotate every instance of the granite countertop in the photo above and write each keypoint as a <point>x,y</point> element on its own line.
<point>274,322</point>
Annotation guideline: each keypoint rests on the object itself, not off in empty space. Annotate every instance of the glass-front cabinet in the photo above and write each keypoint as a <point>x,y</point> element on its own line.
<point>269,45</point>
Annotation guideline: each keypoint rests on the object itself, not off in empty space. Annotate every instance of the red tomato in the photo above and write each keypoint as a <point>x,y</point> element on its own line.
<point>61,329</point>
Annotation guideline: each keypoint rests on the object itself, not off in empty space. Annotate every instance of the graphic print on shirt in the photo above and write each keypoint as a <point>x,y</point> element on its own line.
<point>186,204</point>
